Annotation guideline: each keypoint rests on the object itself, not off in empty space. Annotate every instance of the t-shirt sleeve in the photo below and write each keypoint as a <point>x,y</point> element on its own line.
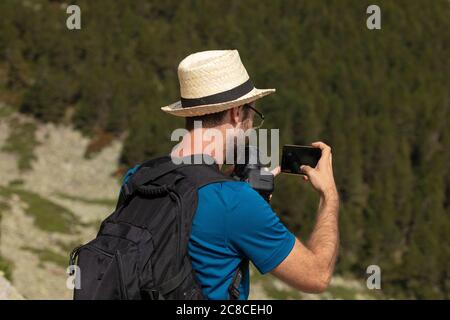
<point>256,231</point>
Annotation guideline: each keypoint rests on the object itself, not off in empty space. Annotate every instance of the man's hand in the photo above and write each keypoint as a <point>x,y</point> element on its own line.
<point>321,177</point>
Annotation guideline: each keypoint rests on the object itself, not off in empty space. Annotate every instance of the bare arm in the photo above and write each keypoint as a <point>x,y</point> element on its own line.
<point>309,267</point>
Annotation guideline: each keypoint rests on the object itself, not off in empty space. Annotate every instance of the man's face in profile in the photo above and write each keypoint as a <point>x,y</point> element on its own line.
<point>241,135</point>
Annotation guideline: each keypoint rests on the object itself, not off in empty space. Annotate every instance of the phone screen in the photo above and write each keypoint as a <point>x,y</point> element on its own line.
<point>295,156</point>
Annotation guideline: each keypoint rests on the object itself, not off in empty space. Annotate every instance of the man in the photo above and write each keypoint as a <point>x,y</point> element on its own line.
<point>233,223</point>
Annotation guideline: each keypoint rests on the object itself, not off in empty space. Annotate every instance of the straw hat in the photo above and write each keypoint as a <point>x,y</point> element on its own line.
<point>213,81</point>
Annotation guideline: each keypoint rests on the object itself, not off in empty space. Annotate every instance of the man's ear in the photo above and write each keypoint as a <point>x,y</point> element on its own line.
<point>236,115</point>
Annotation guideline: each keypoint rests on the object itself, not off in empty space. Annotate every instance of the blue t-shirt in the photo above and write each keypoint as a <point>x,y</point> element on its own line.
<point>233,222</point>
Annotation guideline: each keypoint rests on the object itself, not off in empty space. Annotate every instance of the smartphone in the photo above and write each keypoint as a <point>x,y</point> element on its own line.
<point>294,156</point>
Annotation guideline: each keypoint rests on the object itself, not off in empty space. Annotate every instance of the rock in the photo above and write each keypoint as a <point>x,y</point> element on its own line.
<point>7,291</point>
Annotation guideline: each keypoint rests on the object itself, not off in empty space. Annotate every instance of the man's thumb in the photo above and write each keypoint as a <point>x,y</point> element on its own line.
<point>306,169</point>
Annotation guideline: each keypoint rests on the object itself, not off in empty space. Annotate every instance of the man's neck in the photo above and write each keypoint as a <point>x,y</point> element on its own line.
<point>198,141</point>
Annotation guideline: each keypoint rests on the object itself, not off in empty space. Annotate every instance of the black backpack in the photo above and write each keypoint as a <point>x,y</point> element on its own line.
<point>140,251</point>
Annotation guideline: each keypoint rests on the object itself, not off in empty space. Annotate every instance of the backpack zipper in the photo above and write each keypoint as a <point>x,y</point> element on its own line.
<point>179,221</point>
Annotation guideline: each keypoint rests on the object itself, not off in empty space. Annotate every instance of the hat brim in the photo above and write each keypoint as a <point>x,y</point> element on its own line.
<point>177,110</point>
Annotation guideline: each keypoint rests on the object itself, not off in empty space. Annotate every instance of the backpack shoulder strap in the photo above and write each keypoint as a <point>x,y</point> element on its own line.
<point>203,174</point>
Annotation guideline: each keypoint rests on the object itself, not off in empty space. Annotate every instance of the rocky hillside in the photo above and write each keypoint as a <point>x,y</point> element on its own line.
<point>52,197</point>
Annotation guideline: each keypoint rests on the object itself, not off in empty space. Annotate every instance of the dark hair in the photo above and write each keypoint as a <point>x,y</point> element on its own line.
<point>210,120</point>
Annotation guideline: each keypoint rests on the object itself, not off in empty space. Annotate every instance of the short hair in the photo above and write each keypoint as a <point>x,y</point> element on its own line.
<point>211,120</point>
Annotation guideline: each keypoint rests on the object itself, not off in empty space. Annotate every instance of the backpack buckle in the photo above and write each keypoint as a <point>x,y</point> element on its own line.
<point>151,295</point>
<point>155,295</point>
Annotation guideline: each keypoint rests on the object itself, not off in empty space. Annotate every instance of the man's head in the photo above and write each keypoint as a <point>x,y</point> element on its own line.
<point>224,133</point>
<point>216,89</point>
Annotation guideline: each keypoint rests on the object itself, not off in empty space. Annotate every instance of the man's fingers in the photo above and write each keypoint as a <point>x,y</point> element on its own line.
<point>326,149</point>
<point>320,144</point>
<point>276,171</point>
<point>305,177</point>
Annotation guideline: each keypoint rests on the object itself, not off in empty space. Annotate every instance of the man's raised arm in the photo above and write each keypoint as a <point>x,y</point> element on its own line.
<point>310,267</point>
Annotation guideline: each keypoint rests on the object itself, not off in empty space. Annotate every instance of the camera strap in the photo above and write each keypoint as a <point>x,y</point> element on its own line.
<point>233,289</point>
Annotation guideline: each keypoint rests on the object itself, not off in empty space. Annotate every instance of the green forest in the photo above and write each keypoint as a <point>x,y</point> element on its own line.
<point>380,98</point>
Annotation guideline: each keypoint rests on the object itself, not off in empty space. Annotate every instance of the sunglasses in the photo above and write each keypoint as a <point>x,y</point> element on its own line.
<point>261,116</point>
